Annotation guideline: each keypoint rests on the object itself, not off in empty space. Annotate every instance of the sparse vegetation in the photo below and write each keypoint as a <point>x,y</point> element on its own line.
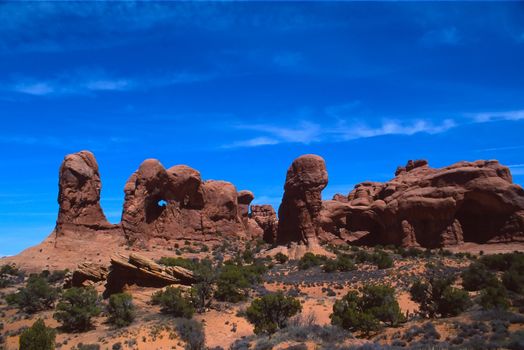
<point>173,302</point>
<point>191,332</point>
<point>121,309</point>
<point>477,277</point>
<point>38,337</point>
<point>76,308</point>
<point>437,297</point>
<point>367,310</point>
<point>271,312</point>
<point>310,260</point>
<point>37,295</point>
<point>281,258</point>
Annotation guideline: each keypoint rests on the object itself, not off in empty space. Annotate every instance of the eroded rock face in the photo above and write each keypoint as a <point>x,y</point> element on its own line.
<point>266,219</point>
<point>79,195</point>
<point>162,205</point>
<point>465,202</point>
<point>301,204</point>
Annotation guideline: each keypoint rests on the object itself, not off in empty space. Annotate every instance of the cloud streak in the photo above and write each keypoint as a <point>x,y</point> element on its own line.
<point>86,82</point>
<point>306,132</point>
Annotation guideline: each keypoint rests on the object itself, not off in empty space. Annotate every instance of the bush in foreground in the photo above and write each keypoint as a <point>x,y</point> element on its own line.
<point>366,311</point>
<point>121,309</point>
<point>173,302</point>
<point>192,333</point>
<point>271,312</point>
<point>36,296</point>
<point>38,337</point>
<point>76,308</point>
<point>438,298</point>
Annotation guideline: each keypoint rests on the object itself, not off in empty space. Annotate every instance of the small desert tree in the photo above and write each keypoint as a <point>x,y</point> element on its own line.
<point>477,277</point>
<point>121,309</point>
<point>438,298</point>
<point>173,302</point>
<point>37,295</point>
<point>366,311</point>
<point>494,297</point>
<point>76,308</point>
<point>271,312</point>
<point>38,337</point>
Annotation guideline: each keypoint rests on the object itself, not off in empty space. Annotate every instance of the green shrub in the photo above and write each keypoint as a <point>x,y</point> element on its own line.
<point>330,266</point>
<point>365,311</point>
<point>201,295</point>
<point>342,263</point>
<point>234,280</point>
<point>192,333</point>
<point>383,260</point>
<point>494,297</point>
<point>10,270</point>
<point>121,309</point>
<point>310,260</point>
<point>477,277</point>
<point>513,279</point>
<point>173,302</point>
<point>38,337</point>
<point>76,308</point>
<point>232,284</point>
<point>503,262</point>
<point>281,258</point>
<point>438,298</point>
<point>37,295</point>
<point>248,256</point>
<point>57,276</point>
<point>271,312</point>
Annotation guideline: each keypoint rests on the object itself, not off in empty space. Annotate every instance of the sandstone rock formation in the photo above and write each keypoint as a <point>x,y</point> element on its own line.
<point>162,205</point>
<point>244,200</point>
<point>299,211</point>
<point>465,202</point>
<point>88,273</point>
<point>266,219</point>
<point>141,271</point>
<point>79,196</point>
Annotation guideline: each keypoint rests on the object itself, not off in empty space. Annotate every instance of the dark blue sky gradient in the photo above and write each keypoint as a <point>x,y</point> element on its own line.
<point>238,90</point>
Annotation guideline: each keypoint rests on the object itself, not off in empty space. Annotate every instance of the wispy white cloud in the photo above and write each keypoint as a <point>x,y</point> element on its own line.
<point>306,132</point>
<point>497,116</point>
<point>89,81</point>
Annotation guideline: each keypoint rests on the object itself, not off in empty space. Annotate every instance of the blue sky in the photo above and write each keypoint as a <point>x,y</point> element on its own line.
<point>238,90</point>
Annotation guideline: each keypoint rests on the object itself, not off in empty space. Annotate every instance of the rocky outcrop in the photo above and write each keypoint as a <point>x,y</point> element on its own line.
<point>163,205</point>
<point>88,273</point>
<point>465,202</point>
<point>141,271</point>
<point>79,196</point>
<point>266,219</point>
<point>299,211</point>
<point>244,200</point>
